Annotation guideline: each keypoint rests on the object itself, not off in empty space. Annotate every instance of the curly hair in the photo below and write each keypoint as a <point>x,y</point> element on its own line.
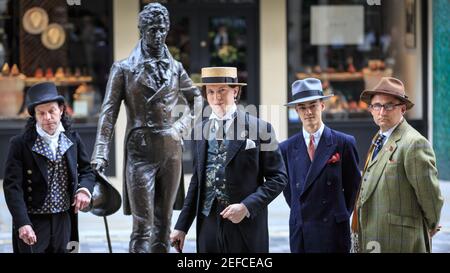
<point>149,13</point>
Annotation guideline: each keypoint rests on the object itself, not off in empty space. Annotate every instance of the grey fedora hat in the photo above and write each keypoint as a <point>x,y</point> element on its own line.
<point>305,90</point>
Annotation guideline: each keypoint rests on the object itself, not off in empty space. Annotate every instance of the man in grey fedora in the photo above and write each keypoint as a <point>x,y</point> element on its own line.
<point>322,166</point>
<point>400,202</point>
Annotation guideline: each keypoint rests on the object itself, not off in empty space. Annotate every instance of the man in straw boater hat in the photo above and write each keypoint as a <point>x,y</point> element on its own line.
<point>399,202</point>
<point>238,171</point>
<point>48,176</point>
<point>322,165</point>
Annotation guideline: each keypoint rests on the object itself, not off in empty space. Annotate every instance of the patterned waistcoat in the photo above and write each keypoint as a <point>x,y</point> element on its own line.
<point>215,186</point>
<point>58,195</point>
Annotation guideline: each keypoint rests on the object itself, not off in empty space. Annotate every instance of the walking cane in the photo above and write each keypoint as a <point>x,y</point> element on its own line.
<point>107,234</point>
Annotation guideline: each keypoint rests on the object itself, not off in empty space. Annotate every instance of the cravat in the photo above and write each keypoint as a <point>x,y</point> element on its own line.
<point>378,145</point>
<point>311,148</point>
<point>220,131</point>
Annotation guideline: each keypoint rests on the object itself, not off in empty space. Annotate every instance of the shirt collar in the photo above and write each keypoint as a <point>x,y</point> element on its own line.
<point>317,134</point>
<point>50,138</point>
<point>228,115</point>
<point>389,132</point>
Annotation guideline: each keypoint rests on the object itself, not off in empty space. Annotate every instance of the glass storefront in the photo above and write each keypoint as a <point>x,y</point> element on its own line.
<point>216,33</point>
<point>53,41</point>
<point>350,45</point>
<point>70,45</point>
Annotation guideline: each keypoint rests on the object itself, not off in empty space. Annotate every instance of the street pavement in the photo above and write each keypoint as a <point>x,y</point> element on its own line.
<point>93,236</point>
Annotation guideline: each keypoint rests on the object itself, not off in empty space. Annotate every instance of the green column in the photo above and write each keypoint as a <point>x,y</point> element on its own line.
<point>441,86</point>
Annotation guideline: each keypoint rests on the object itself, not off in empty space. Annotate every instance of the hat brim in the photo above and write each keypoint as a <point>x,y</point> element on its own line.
<point>219,83</point>
<point>302,100</point>
<point>106,199</point>
<point>31,106</point>
<point>367,95</point>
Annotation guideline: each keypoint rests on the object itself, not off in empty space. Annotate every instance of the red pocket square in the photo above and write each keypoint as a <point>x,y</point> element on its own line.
<point>334,158</point>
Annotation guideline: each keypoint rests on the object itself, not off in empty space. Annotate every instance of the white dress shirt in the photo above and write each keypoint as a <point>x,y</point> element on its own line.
<point>317,135</point>
<point>228,117</point>
<point>389,132</point>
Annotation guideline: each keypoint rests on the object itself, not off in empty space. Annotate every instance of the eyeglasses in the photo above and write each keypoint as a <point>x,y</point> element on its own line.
<point>387,107</point>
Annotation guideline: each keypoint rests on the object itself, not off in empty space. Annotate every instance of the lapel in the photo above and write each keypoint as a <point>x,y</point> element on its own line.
<point>300,158</point>
<point>71,155</point>
<point>201,149</point>
<point>237,135</point>
<point>325,149</point>
<point>143,73</point>
<point>40,160</point>
<point>382,158</point>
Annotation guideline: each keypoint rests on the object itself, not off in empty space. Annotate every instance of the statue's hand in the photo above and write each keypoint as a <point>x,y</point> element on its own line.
<point>99,164</point>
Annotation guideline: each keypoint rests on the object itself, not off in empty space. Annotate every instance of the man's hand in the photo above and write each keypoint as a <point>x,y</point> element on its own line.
<point>235,213</point>
<point>26,233</point>
<point>81,201</point>
<point>434,231</point>
<point>99,164</point>
<point>177,239</point>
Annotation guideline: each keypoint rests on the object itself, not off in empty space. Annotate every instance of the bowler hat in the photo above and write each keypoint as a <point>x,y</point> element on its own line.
<point>388,86</point>
<point>105,199</point>
<point>42,93</point>
<point>305,90</point>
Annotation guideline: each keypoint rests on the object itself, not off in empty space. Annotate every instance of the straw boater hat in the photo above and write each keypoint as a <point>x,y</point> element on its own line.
<point>306,90</point>
<point>35,20</point>
<point>53,36</point>
<point>388,86</point>
<point>219,75</point>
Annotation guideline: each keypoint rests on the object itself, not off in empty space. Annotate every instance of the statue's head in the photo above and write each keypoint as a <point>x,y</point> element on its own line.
<point>154,25</point>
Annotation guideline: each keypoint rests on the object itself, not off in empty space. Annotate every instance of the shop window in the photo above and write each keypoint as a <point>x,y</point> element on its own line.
<point>70,45</point>
<point>350,45</point>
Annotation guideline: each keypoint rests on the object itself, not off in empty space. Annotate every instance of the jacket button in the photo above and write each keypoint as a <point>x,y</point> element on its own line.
<point>29,181</point>
<point>325,219</point>
<point>324,201</point>
<point>298,185</point>
<point>329,183</point>
<point>165,120</point>
<point>30,198</point>
<point>30,189</point>
<point>365,179</point>
<point>29,172</point>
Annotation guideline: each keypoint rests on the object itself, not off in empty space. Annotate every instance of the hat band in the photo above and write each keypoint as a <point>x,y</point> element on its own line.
<point>308,93</point>
<point>219,80</point>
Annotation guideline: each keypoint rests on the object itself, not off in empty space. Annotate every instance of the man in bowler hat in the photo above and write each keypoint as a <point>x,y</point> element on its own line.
<point>48,177</point>
<point>322,166</point>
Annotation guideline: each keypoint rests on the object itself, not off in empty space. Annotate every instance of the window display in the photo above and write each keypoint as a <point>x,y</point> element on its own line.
<point>68,45</point>
<point>350,46</point>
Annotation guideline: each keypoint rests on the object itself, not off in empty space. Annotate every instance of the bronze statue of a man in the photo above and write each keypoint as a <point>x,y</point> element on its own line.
<point>149,82</point>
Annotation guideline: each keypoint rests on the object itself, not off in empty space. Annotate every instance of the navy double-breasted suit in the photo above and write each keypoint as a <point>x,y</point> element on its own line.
<point>321,194</point>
